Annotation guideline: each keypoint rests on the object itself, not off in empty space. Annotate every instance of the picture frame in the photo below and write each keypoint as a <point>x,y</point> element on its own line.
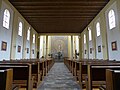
<point>19,48</point>
<point>4,46</point>
<point>99,48</point>
<point>114,46</point>
<point>85,51</point>
<point>90,50</point>
<point>27,50</point>
<point>33,51</point>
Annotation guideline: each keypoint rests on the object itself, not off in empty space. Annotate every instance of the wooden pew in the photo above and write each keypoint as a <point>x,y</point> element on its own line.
<point>97,74</point>
<point>6,79</point>
<point>42,72</point>
<point>34,68</point>
<point>112,79</point>
<point>21,74</point>
<point>82,68</point>
<point>79,69</point>
<point>45,65</point>
<point>82,73</point>
<point>35,64</point>
<point>39,68</point>
<point>35,72</point>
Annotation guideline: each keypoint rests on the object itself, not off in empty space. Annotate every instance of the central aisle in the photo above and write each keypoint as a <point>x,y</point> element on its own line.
<point>59,78</point>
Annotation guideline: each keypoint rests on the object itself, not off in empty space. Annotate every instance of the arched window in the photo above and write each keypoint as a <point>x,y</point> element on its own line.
<point>98,28</point>
<point>90,34</point>
<point>6,19</point>
<point>111,17</point>
<point>28,34</point>
<point>20,29</point>
<point>33,38</point>
<point>84,39</point>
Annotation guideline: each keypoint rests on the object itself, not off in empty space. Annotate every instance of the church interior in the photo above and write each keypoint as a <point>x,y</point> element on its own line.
<point>59,44</point>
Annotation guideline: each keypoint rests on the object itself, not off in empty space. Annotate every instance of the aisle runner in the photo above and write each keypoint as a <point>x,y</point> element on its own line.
<point>59,78</point>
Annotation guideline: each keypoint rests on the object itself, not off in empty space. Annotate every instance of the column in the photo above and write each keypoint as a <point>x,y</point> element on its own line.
<point>80,47</point>
<point>46,46</point>
<point>49,45</point>
<point>71,46</point>
<point>14,35</point>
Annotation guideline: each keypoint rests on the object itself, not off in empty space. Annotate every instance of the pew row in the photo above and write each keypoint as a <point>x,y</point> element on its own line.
<point>21,74</point>
<point>39,68</point>
<point>97,75</point>
<point>79,68</point>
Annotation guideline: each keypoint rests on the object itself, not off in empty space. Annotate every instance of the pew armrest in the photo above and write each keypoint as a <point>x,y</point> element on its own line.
<point>86,82</point>
<point>39,75</point>
<point>102,87</point>
<point>32,81</point>
<point>15,87</point>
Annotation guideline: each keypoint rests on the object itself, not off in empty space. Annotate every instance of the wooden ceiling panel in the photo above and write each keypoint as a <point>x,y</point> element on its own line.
<point>59,16</point>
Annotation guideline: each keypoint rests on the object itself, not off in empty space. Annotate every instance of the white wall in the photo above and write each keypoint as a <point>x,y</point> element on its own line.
<point>19,41</point>
<point>5,34</point>
<point>85,54</point>
<point>11,36</point>
<point>41,46</point>
<point>99,55</point>
<point>91,56</point>
<point>90,46</point>
<point>85,46</point>
<point>77,44</point>
<point>113,34</point>
<point>33,50</point>
<point>26,45</point>
<point>107,36</point>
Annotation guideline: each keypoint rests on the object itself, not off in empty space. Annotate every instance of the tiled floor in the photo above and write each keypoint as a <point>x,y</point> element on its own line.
<point>59,78</point>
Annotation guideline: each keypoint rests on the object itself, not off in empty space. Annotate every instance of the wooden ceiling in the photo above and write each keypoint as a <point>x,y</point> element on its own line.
<point>59,16</point>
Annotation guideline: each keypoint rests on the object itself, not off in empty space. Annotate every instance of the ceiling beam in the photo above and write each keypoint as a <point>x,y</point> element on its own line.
<point>31,7</point>
<point>51,1</point>
<point>59,3</point>
<point>58,16</point>
<point>60,8</point>
<point>49,11</point>
<point>57,19</point>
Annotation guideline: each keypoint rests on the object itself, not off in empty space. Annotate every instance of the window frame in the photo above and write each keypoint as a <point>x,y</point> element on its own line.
<point>33,38</point>
<point>6,19</point>
<point>90,34</point>
<point>111,19</point>
<point>84,38</point>
<point>20,28</point>
<point>98,29</point>
<point>28,34</point>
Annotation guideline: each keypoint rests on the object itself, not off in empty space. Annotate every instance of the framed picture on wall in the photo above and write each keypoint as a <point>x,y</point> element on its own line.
<point>33,51</point>
<point>85,51</point>
<point>4,46</point>
<point>114,46</point>
<point>27,50</point>
<point>19,48</point>
<point>90,50</point>
<point>99,48</point>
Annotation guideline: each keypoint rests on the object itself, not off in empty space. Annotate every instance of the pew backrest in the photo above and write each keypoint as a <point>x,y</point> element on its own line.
<point>112,79</point>
<point>20,72</point>
<point>6,79</point>
<point>98,73</point>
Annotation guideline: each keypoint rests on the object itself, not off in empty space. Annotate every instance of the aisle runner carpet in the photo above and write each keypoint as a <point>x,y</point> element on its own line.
<point>59,78</point>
